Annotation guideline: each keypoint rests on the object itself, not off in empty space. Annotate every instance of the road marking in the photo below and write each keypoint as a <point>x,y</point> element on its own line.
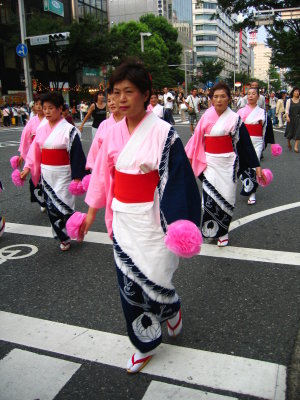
<point>10,143</point>
<point>162,391</point>
<point>213,370</point>
<point>27,376</point>
<point>261,214</point>
<point>209,250</point>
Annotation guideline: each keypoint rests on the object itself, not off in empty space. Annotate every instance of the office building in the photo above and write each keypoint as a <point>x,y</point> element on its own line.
<point>262,56</point>
<point>215,39</point>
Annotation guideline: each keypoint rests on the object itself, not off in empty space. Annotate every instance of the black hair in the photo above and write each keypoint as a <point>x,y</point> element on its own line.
<point>134,71</point>
<point>292,92</point>
<point>97,94</point>
<point>254,88</point>
<point>65,107</point>
<point>54,98</point>
<point>220,86</point>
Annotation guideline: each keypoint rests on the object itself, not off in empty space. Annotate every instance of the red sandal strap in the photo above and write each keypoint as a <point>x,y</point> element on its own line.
<point>177,324</point>
<point>141,360</point>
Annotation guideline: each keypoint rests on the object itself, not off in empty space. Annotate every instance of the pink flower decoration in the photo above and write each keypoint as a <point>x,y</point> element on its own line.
<point>86,181</point>
<point>74,223</point>
<point>76,188</point>
<point>16,178</point>
<point>268,176</point>
<point>183,238</point>
<point>14,162</point>
<point>276,150</point>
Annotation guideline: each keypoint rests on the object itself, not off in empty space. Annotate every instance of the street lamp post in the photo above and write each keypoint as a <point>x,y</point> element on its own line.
<point>27,78</point>
<point>142,39</point>
<point>185,71</point>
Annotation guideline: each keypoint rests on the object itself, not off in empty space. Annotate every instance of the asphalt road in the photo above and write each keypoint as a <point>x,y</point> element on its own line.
<point>241,305</point>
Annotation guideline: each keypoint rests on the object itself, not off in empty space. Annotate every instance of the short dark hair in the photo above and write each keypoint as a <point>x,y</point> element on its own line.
<point>134,71</point>
<point>54,98</point>
<point>220,86</point>
<point>294,88</point>
<point>97,94</point>
<point>254,88</point>
<point>65,107</point>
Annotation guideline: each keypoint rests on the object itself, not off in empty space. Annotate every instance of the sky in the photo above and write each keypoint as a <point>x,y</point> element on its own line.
<point>261,34</point>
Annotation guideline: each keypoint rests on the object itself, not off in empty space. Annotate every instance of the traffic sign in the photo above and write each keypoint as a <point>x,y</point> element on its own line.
<point>41,39</point>
<point>57,7</point>
<point>22,50</point>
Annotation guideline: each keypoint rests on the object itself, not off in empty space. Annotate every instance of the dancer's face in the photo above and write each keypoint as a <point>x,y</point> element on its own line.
<point>129,99</point>
<point>220,101</point>
<point>52,113</point>
<point>252,96</point>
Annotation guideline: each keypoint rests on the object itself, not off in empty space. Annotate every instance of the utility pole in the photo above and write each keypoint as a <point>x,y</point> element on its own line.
<point>27,77</point>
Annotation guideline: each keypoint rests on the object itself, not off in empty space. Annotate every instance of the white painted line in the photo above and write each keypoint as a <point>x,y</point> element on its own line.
<point>261,214</point>
<point>209,250</point>
<point>213,370</point>
<point>29,376</point>
<point>164,391</point>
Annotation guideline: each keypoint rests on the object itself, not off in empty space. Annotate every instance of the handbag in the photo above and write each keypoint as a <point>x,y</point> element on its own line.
<point>191,110</point>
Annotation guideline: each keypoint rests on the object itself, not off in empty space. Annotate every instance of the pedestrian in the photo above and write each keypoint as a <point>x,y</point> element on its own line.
<point>66,114</point>
<point>155,107</point>
<point>97,111</point>
<point>182,107</point>
<point>56,155</point>
<point>168,106</point>
<point>193,104</point>
<point>6,115</point>
<point>143,165</point>
<point>280,109</point>
<point>272,108</point>
<point>292,131</point>
<point>219,149</point>
<point>27,137</point>
<point>260,129</point>
<point>114,118</point>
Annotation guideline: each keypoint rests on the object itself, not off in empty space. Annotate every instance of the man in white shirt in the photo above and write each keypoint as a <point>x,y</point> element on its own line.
<point>168,106</point>
<point>193,104</point>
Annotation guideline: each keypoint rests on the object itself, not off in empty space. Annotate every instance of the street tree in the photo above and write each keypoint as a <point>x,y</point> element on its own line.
<point>125,41</point>
<point>274,78</point>
<point>210,70</point>
<point>283,35</point>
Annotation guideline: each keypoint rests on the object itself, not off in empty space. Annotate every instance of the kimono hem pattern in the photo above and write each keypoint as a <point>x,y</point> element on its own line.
<point>218,171</point>
<point>144,265</point>
<point>60,203</point>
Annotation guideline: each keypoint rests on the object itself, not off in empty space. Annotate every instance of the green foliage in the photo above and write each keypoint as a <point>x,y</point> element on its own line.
<point>283,36</point>
<point>210,69</point>
<point>274,78</point>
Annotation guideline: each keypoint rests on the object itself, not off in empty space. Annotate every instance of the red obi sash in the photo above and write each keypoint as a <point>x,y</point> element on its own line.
<point>138,188</point>
<point>55,157</point>
<point>254,130</point>
<point>218,144</point>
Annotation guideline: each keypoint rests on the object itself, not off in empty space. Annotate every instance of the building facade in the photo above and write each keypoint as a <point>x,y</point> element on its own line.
<point>262,56</point>
<point>215,39</point>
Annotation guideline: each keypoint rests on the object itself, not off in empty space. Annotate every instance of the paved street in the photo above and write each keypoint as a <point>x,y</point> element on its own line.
<point>62,331</point>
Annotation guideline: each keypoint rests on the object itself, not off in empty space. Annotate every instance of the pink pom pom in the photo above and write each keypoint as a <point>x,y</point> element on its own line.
<point>73,224</point>
<point>183,238</point>
<point>276,150</point>
<point>76,188</point>
<point>268,177</point>
<point>16,178</point>
<point>14,162</point>
<point>85,182</point>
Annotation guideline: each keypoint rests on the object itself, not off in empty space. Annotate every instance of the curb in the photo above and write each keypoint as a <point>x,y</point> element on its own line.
<point>293,372</point>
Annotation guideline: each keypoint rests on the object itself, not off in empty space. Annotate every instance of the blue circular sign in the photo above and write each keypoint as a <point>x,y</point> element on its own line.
<point>22,50</point>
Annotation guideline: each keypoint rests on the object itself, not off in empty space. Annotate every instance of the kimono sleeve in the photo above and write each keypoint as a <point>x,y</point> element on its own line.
<point>269,135</point>
<point>25,140</point>
<point>33,161</point>
<point>77,157</point>
<point>246,151</point>
<point>180,198</point>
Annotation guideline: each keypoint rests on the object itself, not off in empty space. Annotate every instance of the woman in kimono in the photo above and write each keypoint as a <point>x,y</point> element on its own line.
<point>260,129</point>
<point>219,148</point>
<point>115,117</point>
<point>143,176</point>
<point>56,155</point>
<point>27,137</point>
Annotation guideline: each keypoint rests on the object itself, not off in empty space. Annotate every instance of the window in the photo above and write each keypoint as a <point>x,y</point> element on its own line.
<point>210,38</point>
<point>206,27</point>
<point>206,48</point>
<point>204,16</point>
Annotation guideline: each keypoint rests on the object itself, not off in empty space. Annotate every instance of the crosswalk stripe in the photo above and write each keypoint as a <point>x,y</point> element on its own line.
<point>209,250</point>
<point>162,391</point>
<point>27,376</point>
<point>213,370</point>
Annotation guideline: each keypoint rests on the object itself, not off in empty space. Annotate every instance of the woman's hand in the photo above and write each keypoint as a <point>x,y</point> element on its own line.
<point>87,223</point>
<point>288,118</point>
<point>260,174</point>
<point>24,173</point>
<point>20,161</point>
